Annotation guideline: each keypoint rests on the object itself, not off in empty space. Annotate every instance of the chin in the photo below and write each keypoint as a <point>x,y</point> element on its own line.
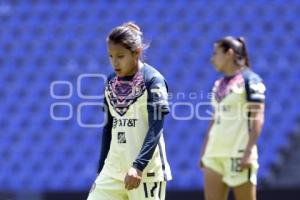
<point>119,74</point>
<point>218,69</point>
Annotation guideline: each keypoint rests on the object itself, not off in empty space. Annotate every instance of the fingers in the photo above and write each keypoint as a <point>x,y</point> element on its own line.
<point>133,178</point>
<point>245,166</point>
<point>131,182</point>
<point>126,181</point>
<point>128,184</point>
<point>135,184</point>
<point>131,186</point>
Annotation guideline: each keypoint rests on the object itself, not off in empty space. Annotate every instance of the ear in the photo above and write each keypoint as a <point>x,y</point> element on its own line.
<point>230,52</point>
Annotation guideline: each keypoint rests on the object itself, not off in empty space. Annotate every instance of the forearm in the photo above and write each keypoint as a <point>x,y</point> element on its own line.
<point>150,143</point>
<point>105,142</point>
<point>256,123</point>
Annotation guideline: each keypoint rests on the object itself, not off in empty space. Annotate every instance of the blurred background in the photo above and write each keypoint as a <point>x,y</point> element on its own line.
<point>53,62</point>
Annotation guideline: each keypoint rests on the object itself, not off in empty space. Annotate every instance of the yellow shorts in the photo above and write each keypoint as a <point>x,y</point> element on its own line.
<point>107,188</point>
<point>229,168</point>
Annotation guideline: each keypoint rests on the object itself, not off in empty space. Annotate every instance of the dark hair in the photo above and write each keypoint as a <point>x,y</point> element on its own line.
<point>129,35</point>
<point>238,45</point>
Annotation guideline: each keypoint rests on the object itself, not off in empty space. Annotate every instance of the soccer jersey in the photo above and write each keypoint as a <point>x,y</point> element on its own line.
<point>229,135</point>
<point>133,134</point>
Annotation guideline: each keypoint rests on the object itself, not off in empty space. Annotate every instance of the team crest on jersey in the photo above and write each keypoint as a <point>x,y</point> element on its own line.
<point>122,94</point>
<point>121,138</point>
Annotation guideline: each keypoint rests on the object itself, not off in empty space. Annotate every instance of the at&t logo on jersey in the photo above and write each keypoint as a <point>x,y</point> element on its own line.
<point>124,122</point>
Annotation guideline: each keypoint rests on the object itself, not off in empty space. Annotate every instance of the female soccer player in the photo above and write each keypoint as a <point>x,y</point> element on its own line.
<point>133,164</point>
<point>229,155</point>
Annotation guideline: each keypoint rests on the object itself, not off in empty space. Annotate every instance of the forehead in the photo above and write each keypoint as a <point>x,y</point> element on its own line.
<point>116,48</point>
<point>217,47</point>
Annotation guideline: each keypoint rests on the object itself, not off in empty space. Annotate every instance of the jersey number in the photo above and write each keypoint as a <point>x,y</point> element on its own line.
<point>150,192</point>
<point>236,164</point>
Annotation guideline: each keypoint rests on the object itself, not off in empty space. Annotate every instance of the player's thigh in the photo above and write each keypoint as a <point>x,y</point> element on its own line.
<point>107,188</point>
<point>246,191</point>
<point>214,188</point>
<point>149,191</point>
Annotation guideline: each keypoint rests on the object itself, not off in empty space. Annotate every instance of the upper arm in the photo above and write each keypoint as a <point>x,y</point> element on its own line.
<point>158,95</point>
<point>255,90</point>
<point>257,111</point>
<point>255,95</point>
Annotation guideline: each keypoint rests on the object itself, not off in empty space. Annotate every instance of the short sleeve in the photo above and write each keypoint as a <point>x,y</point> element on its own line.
<point>255,90</point>
<point>158,94</point>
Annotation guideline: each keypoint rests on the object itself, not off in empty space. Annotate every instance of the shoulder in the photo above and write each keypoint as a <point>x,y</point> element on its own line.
<point>217,83</point>
<point>150,72</point>
<point>254,86</point>
<point>157,88</point>
<point>252,80</point>
<point>111,77</point>
<point>152,76</point>
<point>251,76</point>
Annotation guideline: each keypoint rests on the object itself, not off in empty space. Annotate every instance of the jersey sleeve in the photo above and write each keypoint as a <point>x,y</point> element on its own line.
<point>255,90</point>
<point>157,108</point>
<point>158,95</point>
<point>106,136</point>
<point>150,143</point>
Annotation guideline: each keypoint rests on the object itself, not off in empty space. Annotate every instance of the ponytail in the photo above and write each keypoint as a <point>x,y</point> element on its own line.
<point>244,51</point>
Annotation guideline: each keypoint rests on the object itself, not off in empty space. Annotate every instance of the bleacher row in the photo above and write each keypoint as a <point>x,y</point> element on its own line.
<point>46,41</point>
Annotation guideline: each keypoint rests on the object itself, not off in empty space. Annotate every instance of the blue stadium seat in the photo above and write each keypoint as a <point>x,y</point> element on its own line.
<point>44,42</point>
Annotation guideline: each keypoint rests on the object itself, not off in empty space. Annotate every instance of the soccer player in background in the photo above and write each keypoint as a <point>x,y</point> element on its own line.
<point>229,154</point>
<point>133,164</point>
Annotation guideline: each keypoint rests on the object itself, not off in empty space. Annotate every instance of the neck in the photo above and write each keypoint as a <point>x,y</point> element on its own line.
<point>136,69</point>
<point>231,71</point>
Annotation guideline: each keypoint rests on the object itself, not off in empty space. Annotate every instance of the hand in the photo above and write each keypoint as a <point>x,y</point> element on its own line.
<point>246,161</point>
<point>133,178</point>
